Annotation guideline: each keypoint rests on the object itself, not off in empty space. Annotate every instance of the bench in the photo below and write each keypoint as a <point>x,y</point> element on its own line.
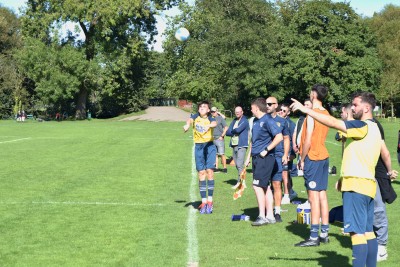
<point>30,116</point>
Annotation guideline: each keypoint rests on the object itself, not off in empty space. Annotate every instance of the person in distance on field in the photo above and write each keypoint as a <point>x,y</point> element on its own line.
<point>239,132</point>
<point>219,141</point>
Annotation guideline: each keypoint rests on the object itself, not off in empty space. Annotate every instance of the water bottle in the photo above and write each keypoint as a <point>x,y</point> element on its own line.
<point>242,217</point>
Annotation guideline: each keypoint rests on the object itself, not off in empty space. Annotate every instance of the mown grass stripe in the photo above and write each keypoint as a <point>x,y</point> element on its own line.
<point>78,203</point>
<point>193,248</point>
<point>15,140</point>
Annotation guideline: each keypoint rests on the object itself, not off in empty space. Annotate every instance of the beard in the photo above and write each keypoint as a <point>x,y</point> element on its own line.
<point>357,115</point>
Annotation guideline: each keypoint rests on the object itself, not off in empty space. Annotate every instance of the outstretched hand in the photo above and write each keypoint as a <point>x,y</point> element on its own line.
<point>296,105</point>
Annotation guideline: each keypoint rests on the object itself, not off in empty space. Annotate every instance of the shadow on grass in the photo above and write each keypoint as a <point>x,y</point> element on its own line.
<point>194,204</point>
<point>252,212</point>
<point>231,181</point>
<point>302,199</point>
<point>327,259</point>
<point>303,231</point>
<point>300,230</point>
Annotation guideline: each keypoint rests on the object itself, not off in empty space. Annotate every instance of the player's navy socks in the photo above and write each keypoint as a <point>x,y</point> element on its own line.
<point>360,250</point>
<point>324,230</point>
<point>372,244</point>
<point>210,185</point>
<point>314,231</point>
<point>203,189</point>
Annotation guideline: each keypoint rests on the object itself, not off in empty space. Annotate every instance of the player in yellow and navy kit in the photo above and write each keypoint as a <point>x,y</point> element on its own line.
<point>205,153</point>
<point>358,173</point>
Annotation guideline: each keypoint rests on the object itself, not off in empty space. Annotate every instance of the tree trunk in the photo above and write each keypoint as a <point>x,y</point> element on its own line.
<point>81,104</point>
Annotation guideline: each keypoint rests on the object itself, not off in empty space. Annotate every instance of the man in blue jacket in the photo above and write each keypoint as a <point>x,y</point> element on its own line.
<point>239,131</point>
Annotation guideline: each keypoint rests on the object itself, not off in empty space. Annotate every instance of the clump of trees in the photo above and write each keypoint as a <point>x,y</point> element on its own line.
<point>238,50</point>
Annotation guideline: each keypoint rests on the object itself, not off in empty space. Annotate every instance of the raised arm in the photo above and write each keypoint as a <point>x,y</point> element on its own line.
<point>187,125</point>
<point>327,120</point>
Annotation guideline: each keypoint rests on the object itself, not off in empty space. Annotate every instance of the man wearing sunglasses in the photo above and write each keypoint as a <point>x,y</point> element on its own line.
<point>281,155</point>
<point>289,193</point>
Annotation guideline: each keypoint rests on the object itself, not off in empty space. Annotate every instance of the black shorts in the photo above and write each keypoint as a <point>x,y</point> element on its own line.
<point>262,170</point>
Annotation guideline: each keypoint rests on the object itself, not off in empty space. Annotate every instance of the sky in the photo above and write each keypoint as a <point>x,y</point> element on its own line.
<point>362,7</point>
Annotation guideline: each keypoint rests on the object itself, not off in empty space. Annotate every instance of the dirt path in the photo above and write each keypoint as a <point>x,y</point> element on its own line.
<point>161,114</point>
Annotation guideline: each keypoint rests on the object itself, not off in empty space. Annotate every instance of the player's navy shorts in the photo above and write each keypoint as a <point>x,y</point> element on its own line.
<point>278,168</point>
<point>288,166</point>
<point>205,155</point>
<point>358,213</point>
<point>262,170</point>
<point>220,144</point>
<point>316,174</point>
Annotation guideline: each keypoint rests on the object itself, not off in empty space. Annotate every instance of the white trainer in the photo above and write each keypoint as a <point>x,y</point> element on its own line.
<point>285,200</point>
<point>382,253</point>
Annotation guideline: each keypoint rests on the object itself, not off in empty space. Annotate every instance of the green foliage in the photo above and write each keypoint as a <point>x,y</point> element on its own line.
<point>327,43</point>
<point>108,57</point>
<point>386,26</point>
<point>11,90</point>
<point>230,55</point>
<point>239,50</point>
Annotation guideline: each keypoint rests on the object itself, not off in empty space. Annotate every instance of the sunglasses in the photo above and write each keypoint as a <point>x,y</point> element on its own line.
<point>284,110</point>
<point>270,104</point>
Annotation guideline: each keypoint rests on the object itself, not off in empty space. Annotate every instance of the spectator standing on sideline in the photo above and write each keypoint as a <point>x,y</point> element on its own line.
<point>299,127</point>
<point>314,161</point>
<point>289,193</point>
<point>239,132</point>
<point>266,135</point>
<point>281,155</point>
<point>296,139</point>
<point>205,153</point>
<point>383,171</point>
<point>219,141</point>
<point>358,182</point>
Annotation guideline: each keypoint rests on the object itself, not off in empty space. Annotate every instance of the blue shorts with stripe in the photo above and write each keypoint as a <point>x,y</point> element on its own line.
<point>262,170</point>
<point>358,213</point>
<point>316,174</point>
<point>205,155</point>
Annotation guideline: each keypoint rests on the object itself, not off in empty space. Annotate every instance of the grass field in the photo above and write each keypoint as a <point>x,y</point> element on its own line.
<point>109,193</point>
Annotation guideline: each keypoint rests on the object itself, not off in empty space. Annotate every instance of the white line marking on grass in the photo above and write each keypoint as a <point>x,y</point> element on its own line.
<point>15,140</point>
<point>193,247</point>
<point>81,203</point>
<point>336,144</point>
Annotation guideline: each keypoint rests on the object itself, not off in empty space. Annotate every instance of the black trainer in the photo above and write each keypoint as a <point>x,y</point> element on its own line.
<point>224,170</point>
<point>308,243</point>
<point>278,217</point>
<point>216,170</point>
<point>324,240</point>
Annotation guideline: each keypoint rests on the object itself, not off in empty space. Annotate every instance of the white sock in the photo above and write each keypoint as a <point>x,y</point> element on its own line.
<point>277,209</point>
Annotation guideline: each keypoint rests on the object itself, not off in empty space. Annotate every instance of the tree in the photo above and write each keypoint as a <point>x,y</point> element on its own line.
<point>231,54</point>
<point>12,94</point>
<point>327,43</point>
<point>103,64</point>
<point>386,26</point>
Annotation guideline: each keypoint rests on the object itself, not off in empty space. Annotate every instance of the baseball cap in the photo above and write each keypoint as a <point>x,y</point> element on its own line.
<point>213,109</point>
